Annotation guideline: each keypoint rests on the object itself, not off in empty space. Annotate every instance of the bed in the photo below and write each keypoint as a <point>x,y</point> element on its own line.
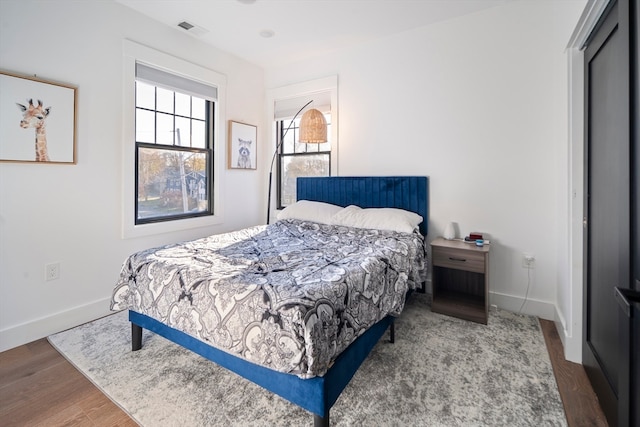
<point>295,306</point>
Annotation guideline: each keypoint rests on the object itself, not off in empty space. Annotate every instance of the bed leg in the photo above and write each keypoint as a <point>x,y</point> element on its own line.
<point>392,332</point>
<point>319,421</point>
<point>136,337</point>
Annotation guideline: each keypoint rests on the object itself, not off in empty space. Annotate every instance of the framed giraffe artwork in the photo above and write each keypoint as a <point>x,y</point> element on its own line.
<point>38,120</point>
<point>243,146</point>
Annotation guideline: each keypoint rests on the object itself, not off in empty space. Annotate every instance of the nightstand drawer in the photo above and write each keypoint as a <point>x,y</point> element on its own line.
<point>459,260</point>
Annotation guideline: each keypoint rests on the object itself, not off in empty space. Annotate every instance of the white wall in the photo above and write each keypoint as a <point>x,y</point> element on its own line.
<point>71,213</point>
<point>479,104</point>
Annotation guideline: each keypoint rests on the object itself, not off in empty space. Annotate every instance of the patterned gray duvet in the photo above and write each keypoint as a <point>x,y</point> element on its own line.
<point>290,296</point>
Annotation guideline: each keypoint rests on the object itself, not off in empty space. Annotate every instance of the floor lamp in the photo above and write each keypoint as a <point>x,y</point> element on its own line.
<point>313,129</point>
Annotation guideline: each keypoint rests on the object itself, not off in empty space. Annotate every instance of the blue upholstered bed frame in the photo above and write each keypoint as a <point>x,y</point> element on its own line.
<point>410,193</point>
<point>316,395</point>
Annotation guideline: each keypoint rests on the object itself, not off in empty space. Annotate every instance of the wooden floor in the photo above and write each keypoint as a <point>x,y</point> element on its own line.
<point>38,387</point>
<point>580,402</point>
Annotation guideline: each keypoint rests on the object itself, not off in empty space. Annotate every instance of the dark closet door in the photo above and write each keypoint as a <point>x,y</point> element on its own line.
<point>634,392</point>
<point>608,231</point>
<point>607,234</point>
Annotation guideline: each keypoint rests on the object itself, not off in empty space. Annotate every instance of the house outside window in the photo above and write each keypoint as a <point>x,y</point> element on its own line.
<point>297,159</point>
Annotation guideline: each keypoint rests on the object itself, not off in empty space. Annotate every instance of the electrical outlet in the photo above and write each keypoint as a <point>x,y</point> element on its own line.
<point>528,260</point>
<point>52,271</point>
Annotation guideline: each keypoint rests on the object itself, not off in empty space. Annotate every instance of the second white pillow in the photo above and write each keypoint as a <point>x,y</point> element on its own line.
<point>377,218</point>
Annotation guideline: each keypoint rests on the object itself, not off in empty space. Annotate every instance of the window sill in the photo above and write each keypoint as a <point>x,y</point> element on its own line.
<point>131,230</point>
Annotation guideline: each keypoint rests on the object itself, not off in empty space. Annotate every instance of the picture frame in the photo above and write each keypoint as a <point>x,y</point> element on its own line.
<point>38,120</point>
<point>242,146</point>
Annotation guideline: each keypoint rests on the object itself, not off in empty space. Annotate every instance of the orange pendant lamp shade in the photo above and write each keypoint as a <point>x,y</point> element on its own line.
<point>313,127</point>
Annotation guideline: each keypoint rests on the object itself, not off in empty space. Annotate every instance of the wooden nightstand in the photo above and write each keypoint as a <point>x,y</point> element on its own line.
<point>460,279</point>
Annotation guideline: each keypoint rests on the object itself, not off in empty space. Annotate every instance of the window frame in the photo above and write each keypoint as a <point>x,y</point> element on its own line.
<point>135,53</point>
<point>208,150</point>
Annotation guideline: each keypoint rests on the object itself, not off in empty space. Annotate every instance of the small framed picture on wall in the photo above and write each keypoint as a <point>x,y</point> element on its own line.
<point>242,146</point>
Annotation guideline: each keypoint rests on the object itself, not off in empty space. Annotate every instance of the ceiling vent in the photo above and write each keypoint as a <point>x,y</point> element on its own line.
<point>192,29</point>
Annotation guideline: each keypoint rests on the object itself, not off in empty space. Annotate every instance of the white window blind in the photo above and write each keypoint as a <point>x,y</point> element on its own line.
<point>175,82</point>
<point>286,108</point>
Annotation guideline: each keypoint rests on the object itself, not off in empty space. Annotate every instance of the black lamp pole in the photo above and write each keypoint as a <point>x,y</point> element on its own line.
<point>274,158</point>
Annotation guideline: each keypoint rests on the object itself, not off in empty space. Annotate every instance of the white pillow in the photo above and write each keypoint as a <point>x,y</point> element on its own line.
<point>378,218</point>
<point>310,211</point>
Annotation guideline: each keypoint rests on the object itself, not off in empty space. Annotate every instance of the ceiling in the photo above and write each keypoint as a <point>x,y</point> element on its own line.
<point>299,29</point>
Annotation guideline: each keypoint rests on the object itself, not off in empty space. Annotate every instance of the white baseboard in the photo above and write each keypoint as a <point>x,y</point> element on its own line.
<point>45,326</point>
<point>572,345</point>
<point>561,327</point>
<point>543,309</point>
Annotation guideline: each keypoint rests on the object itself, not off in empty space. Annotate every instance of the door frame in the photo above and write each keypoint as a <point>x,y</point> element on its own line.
<point>571,317</point>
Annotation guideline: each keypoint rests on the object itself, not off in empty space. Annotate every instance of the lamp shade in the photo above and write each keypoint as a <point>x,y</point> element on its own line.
<point>313,127</point>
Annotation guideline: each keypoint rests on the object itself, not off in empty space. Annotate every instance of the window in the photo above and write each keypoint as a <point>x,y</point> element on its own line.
<point>292,158</point>
<point>299,159</point>
<point>172,115</point>
<point>174,155</point>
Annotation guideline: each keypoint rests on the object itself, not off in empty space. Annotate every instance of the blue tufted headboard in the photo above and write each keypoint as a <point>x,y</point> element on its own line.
<point>403,192</point>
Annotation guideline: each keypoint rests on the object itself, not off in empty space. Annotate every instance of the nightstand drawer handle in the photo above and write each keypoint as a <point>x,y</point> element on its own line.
<point>457,259</point>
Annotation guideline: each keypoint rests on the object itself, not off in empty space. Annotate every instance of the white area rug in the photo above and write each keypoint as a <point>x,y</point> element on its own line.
<point>441,371</point>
